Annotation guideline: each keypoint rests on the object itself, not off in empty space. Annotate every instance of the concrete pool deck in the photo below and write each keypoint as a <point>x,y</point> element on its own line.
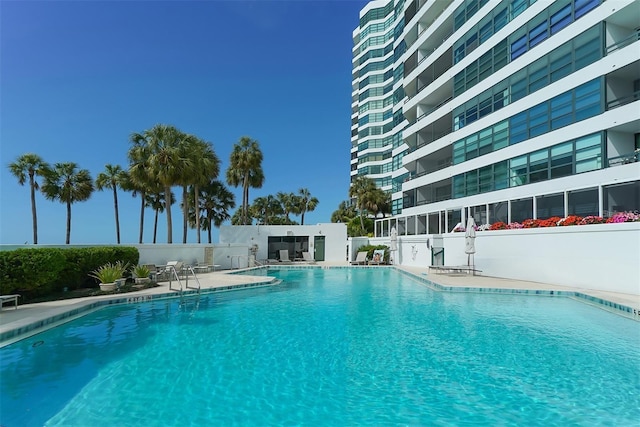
<point>29,319</point>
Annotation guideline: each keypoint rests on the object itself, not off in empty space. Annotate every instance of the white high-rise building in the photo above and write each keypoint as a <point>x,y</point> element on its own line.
<point>501,110</point>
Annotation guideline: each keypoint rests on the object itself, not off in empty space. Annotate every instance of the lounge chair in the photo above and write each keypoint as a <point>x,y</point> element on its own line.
<point>378,257</point>
<point>284,256</point>
<point>168,270</point>
<point>361,259</point>
<point>10,298</point>
<point>306,256</point>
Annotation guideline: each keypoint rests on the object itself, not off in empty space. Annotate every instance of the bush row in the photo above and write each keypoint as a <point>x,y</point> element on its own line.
<point>36,272</point>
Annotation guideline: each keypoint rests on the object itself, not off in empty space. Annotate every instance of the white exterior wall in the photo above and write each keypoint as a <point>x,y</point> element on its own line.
<point>601,257</point>
<point>335,237</point>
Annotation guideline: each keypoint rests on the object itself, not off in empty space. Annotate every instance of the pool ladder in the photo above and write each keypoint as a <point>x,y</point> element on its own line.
<point>188,270</point>
<point>184,298</point>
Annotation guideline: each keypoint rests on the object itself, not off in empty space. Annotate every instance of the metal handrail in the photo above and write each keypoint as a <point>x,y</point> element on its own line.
<point>624,159</point>
<point>623,43</point>
<point>195,276</point>
<point>174,273</point>
<point>623,100</point>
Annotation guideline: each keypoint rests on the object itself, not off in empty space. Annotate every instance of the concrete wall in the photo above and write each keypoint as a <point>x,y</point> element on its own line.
<point>603,256</point>
<point>335,237</point>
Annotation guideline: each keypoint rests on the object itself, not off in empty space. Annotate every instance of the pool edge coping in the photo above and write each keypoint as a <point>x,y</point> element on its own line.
<point>11,335</point>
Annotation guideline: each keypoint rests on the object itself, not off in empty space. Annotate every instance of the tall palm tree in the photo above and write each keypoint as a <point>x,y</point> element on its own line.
<point>360,189</point>
<point>30,165</point>
<point>245,169</point>
<point>344,213</point>
<point>165,158</point>
<point>68,185</point>
<point>157,201</point>
<point>138,176</point>
<point>306,203</point>
<point>206,167</point>
<point>112,177</point>
<point>289,203</point>
<point>215,201</point>
<point>266,209</point>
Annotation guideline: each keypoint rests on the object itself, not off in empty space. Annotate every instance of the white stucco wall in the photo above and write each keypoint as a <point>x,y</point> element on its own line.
<point>335,237</point>
<point>603,256</point>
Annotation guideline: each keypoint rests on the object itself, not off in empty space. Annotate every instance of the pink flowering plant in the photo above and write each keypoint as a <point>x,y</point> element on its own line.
<point>558,222</point>
<point>623,217</point>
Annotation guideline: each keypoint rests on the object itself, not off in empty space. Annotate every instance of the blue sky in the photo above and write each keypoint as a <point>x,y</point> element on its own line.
<point>78,77</point>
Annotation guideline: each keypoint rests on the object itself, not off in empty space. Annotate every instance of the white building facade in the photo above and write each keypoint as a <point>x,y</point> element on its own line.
<point>501,110</point>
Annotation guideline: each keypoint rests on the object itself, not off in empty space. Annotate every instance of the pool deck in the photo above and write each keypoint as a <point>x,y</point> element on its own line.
<point>31,318</point>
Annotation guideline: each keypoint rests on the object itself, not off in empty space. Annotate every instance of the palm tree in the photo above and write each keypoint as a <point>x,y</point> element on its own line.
<point>245,169</point>
<point>112,177</point>
<point>289,203</point>
<point>206,167</point>
<point>68,185</point>
<point>344,213</point>
<point>306,203</point>
<point>165,159</point>
<point>157,201</point>
<point>30,165</point>
<point>360,189</point>
<point>377,201</point>
<point>138,176</point>
<point>266,210</point>
<point>214,202</point>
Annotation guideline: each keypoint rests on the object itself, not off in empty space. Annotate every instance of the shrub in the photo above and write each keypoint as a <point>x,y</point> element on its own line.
<point>110,272</point>
<point>37,272</point>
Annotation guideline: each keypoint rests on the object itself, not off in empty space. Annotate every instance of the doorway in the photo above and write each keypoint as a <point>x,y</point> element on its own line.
<point>318,244</point>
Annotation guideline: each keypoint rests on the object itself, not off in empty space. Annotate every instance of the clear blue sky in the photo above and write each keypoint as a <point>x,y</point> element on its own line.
<point>78,77</point>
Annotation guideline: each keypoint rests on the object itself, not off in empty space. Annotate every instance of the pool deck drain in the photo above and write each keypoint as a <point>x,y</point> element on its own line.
<point>29,319</point>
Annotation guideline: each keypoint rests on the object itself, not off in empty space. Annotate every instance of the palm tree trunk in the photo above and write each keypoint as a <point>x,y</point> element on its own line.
<point>68,222</point>
<point>302,218</point>
<point>167,190</point>
<point>155,226</point>
<point>185,212</point>
<point>209,233</point>
<point>34,216</point>
<point>142,195</point>
<point>115,205</point>
<point>196,201</point>
<point>245,198</point>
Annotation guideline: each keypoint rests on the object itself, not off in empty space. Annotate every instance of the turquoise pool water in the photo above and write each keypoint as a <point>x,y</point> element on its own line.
<point>330,348</point>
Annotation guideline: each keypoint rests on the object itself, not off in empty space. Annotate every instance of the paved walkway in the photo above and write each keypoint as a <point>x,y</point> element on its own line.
<point>45,313</point>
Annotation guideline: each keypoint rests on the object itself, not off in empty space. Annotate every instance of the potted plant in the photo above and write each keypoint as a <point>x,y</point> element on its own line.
<point>108,274</point>
<point>141,273</point>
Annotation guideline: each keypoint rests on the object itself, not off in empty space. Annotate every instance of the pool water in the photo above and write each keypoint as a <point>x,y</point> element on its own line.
<point>330,347</point>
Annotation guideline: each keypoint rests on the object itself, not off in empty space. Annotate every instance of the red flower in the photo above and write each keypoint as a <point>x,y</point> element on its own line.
<point>498,226</point>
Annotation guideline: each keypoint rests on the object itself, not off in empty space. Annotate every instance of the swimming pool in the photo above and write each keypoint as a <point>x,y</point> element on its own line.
<point>329,347</point>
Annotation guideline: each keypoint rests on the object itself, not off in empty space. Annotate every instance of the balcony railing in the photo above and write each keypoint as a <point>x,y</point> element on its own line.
<point>618,102</point>
<point>625,159</point>
<point>624,42</point>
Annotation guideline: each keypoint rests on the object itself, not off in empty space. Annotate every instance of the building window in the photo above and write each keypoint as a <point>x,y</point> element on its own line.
<point>521,209</point>
<point>550,205</point>
<point>583,202</point>
<point>499,212</point>
<point>621,198</point>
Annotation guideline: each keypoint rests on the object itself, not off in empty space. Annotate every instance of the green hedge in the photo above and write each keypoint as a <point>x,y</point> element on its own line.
<point>39,272</point>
